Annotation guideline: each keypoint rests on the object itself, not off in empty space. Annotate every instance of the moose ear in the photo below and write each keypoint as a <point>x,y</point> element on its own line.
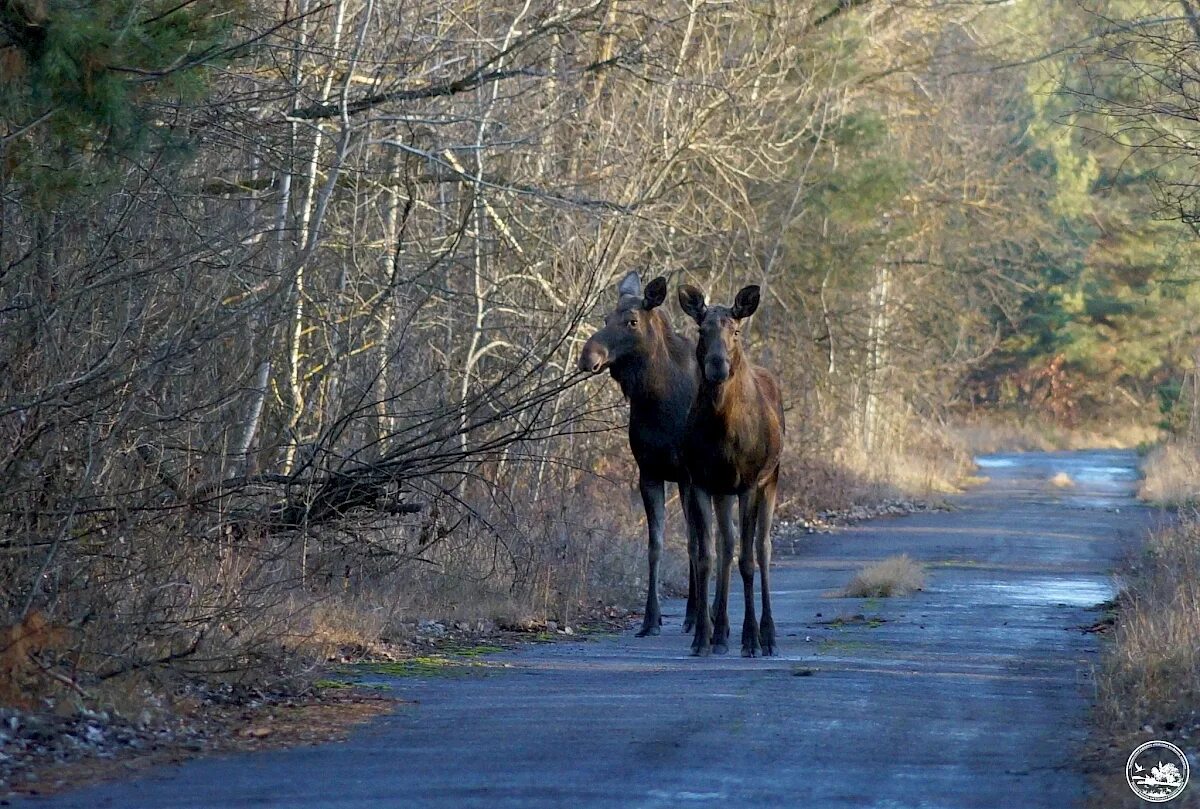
<point>746,302</point>
<point>656,293</point>
<point>691,301</point>
<point>631,284</point>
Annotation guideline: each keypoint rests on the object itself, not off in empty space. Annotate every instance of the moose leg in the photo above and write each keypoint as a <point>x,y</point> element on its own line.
<point>689,615</point>
<point>700,551</point>
<point>748,510</point>
<point>654,500</point>
<point>723,505</point>
<point>766,512</point>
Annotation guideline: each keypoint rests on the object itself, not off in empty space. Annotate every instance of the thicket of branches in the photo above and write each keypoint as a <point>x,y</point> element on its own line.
<point>291,292</point>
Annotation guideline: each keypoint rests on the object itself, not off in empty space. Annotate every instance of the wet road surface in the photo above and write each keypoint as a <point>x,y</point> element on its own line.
<point>972,693</point>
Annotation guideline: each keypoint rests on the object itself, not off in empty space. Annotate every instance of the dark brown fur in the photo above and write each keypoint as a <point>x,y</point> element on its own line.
<point>735,434</point>
<point>656,369</point>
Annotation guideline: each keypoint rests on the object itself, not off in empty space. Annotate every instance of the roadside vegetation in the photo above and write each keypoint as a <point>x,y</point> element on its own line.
<point>291,295</point>
<point>891,577</point>
<point>1022,430</point>
<point>1150,674</point>
<point>1148,679</point>
<point>1171,474</point>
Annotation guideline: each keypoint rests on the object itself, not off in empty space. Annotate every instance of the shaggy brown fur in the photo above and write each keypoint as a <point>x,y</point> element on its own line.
<point>734,437</point>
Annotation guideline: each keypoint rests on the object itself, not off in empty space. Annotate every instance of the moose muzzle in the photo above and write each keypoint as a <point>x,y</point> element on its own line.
<point>594,357</point>
<point>716,368</point>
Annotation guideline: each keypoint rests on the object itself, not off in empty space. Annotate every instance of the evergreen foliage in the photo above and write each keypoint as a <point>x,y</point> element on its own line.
<point>1106,323</point>
<point>85,82</point>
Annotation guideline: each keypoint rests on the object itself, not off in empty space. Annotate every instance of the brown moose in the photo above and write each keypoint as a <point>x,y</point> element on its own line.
<point>734,434</point>
<point>656,369</point>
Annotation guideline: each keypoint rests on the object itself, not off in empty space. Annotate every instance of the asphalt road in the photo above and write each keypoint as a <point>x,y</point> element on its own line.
<point>972,693</point>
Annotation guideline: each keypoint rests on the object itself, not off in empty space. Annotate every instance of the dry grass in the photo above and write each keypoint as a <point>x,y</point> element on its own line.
<point>1150,674</point>
<point>918,462</point>
<point>281,605</point>
<point>1148,678</point>
<point>1171,475</point>
<point>893,576</point>
<point>350,623</point>
<point>1023,433</point>
<point>1062,481</point>
<point>923,466</point>
<point>563,560</point>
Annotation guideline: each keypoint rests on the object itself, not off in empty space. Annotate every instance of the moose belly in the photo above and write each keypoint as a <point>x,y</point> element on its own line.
<point>720,472</point>
<point>658,461</point>
<point>717,475</point>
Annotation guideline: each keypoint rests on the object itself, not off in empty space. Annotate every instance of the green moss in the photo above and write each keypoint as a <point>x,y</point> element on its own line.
<point>334,685</point>
<point>424,665</point>
<point>331,684</point>
<point>839,646</point>
<point>858,619</point>
<point>451,659</point>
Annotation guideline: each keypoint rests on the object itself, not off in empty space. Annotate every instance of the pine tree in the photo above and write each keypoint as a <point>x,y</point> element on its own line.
<point>84,83</point>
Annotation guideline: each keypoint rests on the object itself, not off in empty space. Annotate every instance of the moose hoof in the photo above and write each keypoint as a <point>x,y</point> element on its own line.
<point>767,640</point>
<point>720,648</point>
<point>701,651</point>
<point>653,629</point>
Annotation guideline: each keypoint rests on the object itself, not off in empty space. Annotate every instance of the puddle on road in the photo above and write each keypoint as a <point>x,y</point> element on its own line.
<point>1088,479</point>
<point>1074,592</point>
<point>1106,474</point>
<point>1109,503</point>
<point>685,795</point>
<point>991,462</point>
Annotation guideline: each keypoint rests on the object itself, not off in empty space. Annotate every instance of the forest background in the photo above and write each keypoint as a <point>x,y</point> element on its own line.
<point>291,291</point>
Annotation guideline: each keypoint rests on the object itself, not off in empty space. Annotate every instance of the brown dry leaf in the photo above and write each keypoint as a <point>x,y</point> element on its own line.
<point>21,679</point>
<point>12,64</point>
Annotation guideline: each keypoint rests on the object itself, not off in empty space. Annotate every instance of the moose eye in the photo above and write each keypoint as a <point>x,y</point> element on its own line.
<point>633,324</point>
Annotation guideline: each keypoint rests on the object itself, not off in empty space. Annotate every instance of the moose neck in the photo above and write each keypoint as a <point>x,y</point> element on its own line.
<point>642,376</point>
<point>650,377</point>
